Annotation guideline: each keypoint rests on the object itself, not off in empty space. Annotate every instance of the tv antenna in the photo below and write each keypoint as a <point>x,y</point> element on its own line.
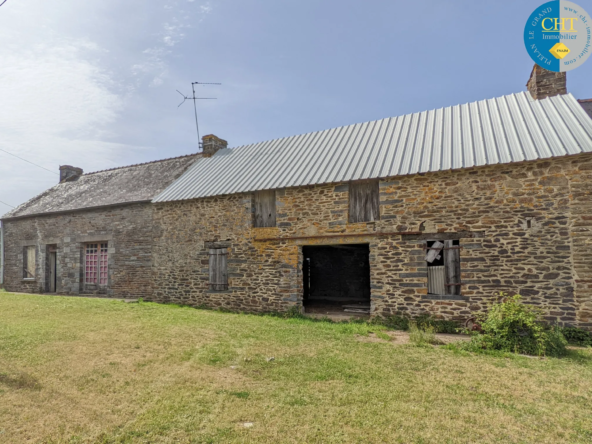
<point>195,99</point>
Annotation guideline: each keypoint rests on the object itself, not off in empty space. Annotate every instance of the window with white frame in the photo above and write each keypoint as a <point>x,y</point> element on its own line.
<point>96,260</point>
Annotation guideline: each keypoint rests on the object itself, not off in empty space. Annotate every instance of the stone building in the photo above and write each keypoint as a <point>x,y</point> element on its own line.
<point>431,212</point>
<point>89,234</point>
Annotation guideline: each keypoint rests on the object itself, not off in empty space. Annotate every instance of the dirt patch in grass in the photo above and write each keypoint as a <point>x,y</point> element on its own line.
<point>19,381</point>
<point>402,337</point>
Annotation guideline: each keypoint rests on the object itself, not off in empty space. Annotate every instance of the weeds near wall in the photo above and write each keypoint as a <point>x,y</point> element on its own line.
<point>403,322</point>
<point>422,335</point>
<point>577,336</point>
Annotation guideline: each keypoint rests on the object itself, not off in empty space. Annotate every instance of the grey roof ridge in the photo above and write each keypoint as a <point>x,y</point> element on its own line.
<point>141,164</point>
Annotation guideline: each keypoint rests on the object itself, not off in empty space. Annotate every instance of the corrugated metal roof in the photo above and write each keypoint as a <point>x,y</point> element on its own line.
<point>507,129</point>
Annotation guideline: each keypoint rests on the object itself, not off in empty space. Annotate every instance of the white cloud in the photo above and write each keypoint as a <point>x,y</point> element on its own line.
<point>173,31</point>
<point>66,81</point>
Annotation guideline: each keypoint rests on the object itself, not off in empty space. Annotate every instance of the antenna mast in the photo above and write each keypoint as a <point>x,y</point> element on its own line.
<point>195,99</point>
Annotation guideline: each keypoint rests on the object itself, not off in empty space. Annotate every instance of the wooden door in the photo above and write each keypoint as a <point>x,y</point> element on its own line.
<point>53,271</point>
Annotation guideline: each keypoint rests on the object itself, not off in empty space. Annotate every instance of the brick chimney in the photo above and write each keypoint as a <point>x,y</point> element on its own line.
<point>69,173</point>
<point>543,83</point>
<point>211,144</point>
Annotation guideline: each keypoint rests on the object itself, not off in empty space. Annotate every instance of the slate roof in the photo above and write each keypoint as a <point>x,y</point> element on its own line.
<point>135,183</point>
<point>507,129</point>
<point>587,105</point>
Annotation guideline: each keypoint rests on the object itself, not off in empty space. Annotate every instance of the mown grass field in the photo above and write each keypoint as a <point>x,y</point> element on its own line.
<point>76,370</point>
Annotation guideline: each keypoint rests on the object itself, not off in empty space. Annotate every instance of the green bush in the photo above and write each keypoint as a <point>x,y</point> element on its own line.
<point>513,326</point>
<point>577,336</point>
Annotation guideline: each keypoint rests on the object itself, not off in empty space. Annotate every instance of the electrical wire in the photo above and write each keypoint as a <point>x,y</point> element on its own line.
<point>25,160</point>
<point>8,205</point>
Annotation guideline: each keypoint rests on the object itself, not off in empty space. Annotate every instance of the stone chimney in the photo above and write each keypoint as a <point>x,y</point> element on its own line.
<point>211,144</point>
<point>543,83</point>
<point>69,173</point>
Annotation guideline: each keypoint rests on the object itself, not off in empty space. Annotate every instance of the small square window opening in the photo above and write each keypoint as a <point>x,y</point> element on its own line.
<point>443,262</point>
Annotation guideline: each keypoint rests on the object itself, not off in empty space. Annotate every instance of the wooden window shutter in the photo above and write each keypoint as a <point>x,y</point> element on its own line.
<point>364,202</point>
<point>452,267</point>
<point>264,203</point>
<point>29,262</point>
<point>218,269</point>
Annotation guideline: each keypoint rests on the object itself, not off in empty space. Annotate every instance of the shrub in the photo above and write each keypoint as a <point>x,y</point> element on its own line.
<point>422,335</point>
<point>513,326</point>
<point>395,322</point>
<point>577,336</point>
<point>402,322</point>
<point>439,325</point>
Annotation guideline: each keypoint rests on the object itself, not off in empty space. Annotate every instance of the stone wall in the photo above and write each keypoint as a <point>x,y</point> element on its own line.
<point>261,277</point>
<point>127,230</point>
<point>523,228</point>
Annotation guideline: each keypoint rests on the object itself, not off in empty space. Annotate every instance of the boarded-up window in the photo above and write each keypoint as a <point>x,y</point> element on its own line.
<point>264,211</point>
<point>29,262</point>
<point>218,269</point>
<point>96,259</point>
<point>364,202</point>
<point>443,260</point>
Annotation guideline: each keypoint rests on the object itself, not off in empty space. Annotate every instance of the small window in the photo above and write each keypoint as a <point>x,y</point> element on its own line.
<point>218,269</point>
<point>96,259</point>
<point>443,261</point>
<point>29,261</point>
<point>264,208</point>
<point>364,202</point>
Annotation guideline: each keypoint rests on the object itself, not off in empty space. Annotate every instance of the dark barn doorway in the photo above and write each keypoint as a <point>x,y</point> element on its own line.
<point>336,278</point>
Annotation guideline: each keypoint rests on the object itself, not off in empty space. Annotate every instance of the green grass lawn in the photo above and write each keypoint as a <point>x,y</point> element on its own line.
<point>91,370</point>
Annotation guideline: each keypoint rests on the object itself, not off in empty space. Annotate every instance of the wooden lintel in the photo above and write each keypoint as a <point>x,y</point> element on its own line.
<point>332,236</point>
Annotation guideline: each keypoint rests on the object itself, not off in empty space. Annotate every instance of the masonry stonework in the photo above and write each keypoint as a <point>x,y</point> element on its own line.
<point>127,230</point>
<point>523,228</point>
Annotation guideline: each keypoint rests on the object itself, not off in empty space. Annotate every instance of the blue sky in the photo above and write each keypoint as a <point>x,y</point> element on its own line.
<point>93,83</point>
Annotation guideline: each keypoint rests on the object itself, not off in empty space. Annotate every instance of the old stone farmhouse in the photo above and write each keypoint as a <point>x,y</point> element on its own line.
<point>429,212</point>
<point>89,234</point>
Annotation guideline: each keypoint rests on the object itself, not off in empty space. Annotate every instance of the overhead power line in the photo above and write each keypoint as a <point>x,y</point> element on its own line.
<point>25,160</point>
<point>8,205</point>
<point>3,2</point>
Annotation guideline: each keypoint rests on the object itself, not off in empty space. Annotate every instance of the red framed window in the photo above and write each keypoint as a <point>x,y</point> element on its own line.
<point>96,260</point>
